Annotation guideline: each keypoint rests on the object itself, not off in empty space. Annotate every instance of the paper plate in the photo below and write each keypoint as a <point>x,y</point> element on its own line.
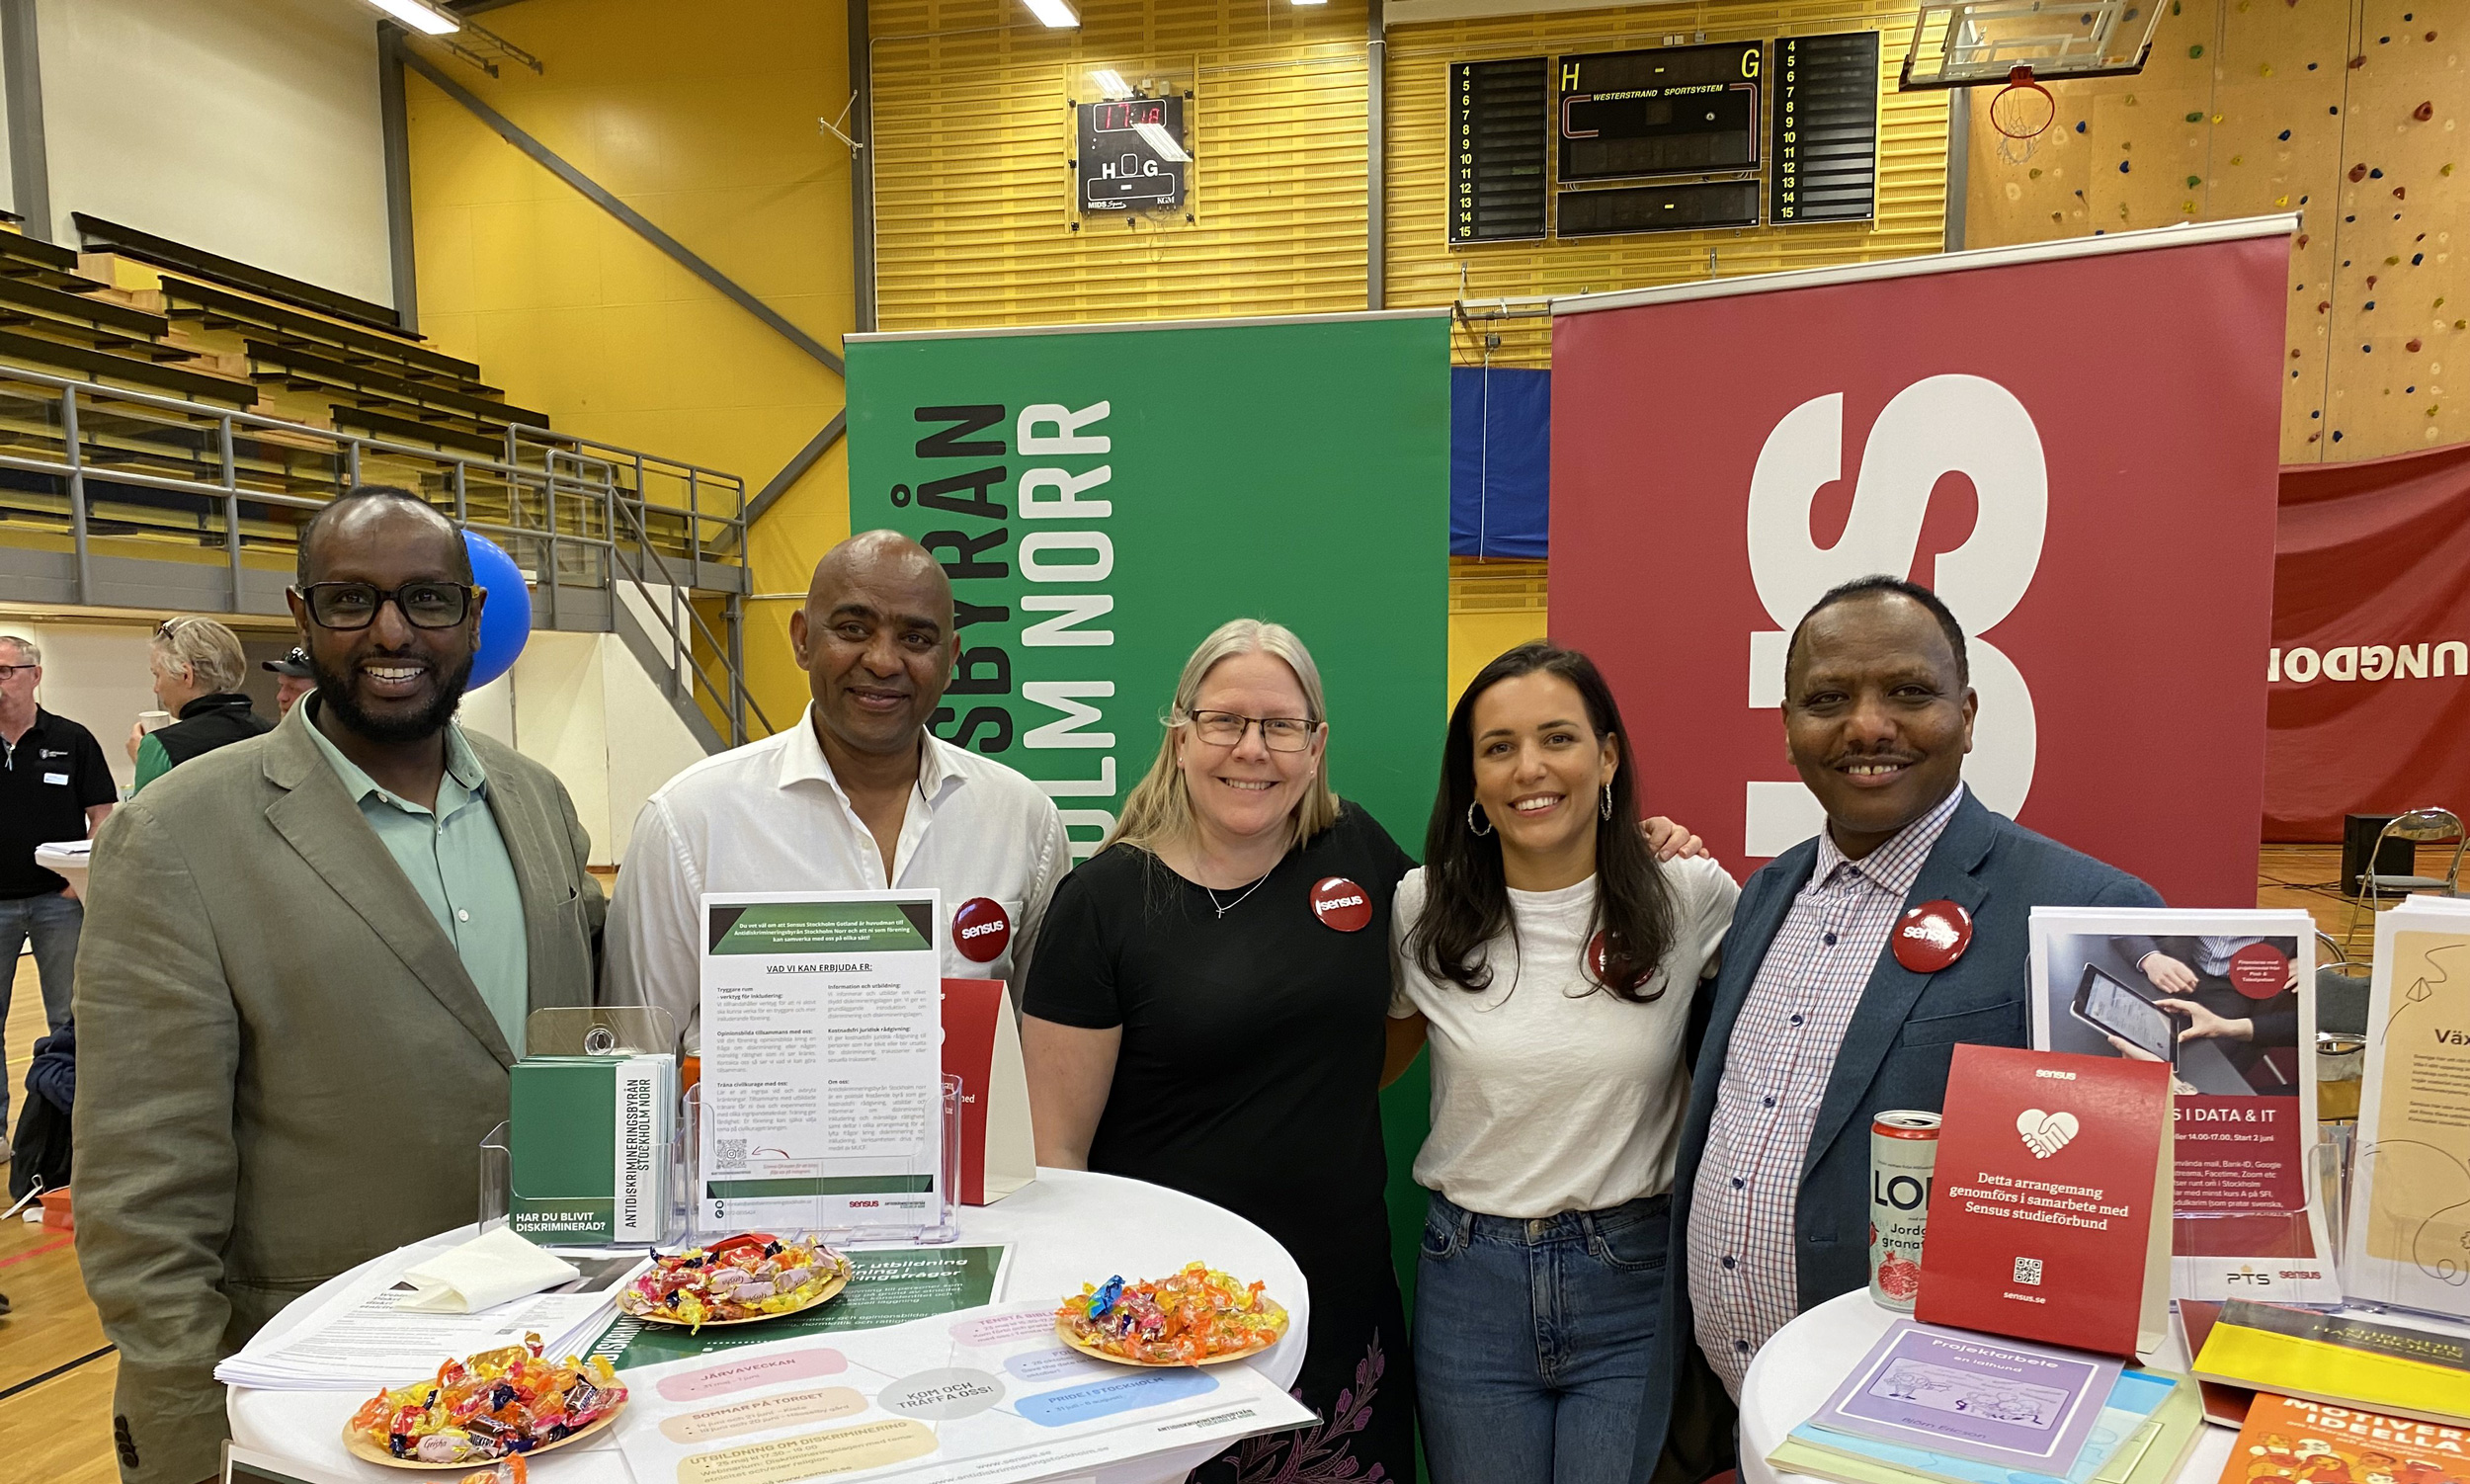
<point>831,1290</point>
<point>357,1445</point>
<point>1064,1333</point>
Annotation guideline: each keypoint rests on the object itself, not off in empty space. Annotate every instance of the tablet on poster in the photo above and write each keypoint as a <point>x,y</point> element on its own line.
<point>2227,999</point>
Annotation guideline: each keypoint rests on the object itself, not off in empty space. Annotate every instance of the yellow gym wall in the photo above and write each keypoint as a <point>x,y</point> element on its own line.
<point>2314,106</point>
<point>702,118</point>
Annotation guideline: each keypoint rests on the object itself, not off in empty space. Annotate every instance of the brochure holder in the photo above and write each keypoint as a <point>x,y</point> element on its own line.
<point>737,1187</point>
<point>592,1031</point>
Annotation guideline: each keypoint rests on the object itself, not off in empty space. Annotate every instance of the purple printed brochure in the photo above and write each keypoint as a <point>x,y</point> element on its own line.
<point>2004,1402</point>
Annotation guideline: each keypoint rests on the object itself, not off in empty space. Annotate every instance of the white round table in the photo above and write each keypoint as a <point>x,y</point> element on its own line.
<point>1067,1228</point>
<point>1795,1372</point>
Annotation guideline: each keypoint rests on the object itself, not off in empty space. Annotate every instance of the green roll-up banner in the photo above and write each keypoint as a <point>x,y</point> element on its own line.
<point>1105,496</point>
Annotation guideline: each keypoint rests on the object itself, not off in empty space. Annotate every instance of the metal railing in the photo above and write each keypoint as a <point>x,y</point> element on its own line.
<point>117,476</point>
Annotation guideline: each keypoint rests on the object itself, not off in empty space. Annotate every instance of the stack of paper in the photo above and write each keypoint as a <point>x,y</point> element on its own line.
<point>2340,1359</point>
<point>1932,1404</point>
<point>365,1338</point>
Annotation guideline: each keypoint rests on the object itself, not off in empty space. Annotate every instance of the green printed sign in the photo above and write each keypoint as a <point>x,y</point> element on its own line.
<point>806,930</point>
<point>1103,497</point>
<point>891,1286</point>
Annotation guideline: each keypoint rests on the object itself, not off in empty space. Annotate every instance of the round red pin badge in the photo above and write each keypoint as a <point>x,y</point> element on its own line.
<point>981,929</point>
<point>1932,936</point>
<point>2260,970</point>
<point>1342,904</point>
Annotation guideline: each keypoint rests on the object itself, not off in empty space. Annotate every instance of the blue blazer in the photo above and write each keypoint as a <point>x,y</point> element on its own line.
<point>1895,1054</point>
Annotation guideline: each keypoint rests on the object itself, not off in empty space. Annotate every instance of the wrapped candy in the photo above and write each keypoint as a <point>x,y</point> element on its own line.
<point>497,1405</point>
<point>1189,1318</point>
<point>751,1276</point>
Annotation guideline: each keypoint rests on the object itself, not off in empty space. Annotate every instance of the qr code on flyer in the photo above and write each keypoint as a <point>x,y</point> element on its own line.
<point>729,1153</point>
<point>2029,1271</point>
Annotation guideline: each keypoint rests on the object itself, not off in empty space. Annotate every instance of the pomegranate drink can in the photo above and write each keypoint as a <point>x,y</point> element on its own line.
<point>1903,1154</point>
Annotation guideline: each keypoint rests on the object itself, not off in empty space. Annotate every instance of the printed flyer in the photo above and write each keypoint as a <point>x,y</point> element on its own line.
<point>2409,1192</point>
<point>822,1088</point>
<point>989,1395</point>
<point>2226,999</point>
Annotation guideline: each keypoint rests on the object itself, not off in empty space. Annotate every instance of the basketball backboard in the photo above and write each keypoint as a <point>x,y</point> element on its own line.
<point>1959,44</point>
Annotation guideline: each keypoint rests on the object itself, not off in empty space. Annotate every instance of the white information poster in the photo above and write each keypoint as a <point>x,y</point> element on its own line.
<point>988,1395</point>
<point>2227,998</point>
<point>2410,1186</point>
<point>822,1081</point>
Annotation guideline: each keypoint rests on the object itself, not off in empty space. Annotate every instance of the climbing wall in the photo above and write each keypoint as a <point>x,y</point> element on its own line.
<point>2349,112</point>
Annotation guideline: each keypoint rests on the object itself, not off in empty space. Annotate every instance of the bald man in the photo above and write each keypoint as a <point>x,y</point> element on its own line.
<point>858,796</point>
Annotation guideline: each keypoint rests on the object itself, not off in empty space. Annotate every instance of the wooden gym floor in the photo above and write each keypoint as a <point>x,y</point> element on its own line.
<point>56,1369</point>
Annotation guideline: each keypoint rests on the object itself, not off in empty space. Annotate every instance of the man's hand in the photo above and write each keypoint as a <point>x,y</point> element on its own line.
<point>69,892</point>
<point>1672,842</point>
<point>2204,1025</point>
<point>2168,975</point>
<point>136,738</point>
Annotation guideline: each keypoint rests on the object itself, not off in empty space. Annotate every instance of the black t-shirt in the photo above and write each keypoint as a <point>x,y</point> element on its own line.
<point>47,782</point>
<point>1250,1068</point>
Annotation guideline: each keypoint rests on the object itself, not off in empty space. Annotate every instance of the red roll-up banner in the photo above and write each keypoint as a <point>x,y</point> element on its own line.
<point>2073,442</point>
<point>2370,666</point>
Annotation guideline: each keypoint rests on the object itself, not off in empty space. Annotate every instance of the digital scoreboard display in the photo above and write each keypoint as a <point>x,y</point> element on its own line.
<point>1665,111</point>
<point>1826,155</point>
<point>1500,127</point>
<point>1126,152</point>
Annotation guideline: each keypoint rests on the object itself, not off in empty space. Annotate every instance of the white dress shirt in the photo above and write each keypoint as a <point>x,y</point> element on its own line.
<point>770,816</point>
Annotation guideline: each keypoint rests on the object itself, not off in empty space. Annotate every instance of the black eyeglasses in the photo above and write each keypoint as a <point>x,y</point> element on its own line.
<point>354,605</point>
<point>13,668</point>
<point>1277,733</point>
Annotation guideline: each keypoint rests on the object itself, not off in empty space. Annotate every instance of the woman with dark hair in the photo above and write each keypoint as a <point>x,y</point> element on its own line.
<point>1551,960</point>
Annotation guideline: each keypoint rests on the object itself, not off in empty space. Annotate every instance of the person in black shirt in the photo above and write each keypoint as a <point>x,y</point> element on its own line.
<point>198,667</point>
<point>54,785</point>
<point>1193,1021</point>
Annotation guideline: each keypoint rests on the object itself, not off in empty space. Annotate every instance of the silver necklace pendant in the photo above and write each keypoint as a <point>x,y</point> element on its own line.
<point>1228,907</point>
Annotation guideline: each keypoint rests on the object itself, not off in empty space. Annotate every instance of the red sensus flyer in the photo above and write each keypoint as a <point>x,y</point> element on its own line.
<point>2050,1220</point>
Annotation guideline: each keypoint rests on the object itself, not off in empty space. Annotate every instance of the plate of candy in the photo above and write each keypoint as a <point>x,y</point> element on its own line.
<point>1198,1316</point>
<point>745,1279</point>
<point>500,1404</point>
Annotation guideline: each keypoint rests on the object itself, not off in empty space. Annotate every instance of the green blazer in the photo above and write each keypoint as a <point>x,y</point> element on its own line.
<point>283,1068</point>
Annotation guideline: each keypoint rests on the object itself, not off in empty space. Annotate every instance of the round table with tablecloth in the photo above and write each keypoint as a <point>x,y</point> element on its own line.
<point>1067,1228</point>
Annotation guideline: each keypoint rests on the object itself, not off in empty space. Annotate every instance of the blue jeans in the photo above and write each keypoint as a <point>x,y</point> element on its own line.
<point>51,922</point>
<point>1533,1341</point>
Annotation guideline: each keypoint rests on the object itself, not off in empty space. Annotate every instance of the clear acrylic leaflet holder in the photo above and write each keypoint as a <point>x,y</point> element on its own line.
<point>596,1030</point>
<point>741,1186</point>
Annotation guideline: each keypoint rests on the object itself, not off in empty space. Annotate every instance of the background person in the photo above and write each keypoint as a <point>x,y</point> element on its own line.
<point>54,785</point>
<point>293,679</point>
<point>858,796</point>
<point>306,977</point>
<point>199,668</point>
<point>1557,1077</point>
<point>1815,1025</point>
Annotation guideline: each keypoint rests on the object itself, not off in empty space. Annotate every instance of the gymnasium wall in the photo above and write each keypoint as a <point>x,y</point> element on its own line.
<point>702,118</point>
<point>246,128</point>
<point>2349,111</point>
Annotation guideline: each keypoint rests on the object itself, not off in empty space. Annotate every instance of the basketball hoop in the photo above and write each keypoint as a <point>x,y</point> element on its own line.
<point>2021,112</point>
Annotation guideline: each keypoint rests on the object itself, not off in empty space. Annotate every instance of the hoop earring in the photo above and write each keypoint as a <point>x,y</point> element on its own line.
<point>1470,823</point>
<point>1606,809</point>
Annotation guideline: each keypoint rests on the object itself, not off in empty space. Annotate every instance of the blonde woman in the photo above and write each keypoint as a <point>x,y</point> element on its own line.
<point>197,670</point>
<point>1193,1021</point>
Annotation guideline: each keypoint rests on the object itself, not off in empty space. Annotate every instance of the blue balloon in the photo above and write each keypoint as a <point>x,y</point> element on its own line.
<point>506,620</point>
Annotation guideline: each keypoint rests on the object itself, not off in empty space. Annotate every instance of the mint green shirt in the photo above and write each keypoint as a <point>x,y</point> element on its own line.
<point>456,860</point>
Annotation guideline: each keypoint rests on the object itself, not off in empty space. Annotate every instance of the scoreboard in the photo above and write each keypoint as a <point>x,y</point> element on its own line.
<point>1498,114</point>
<point>1667,111</point>
<point>1118,164</point>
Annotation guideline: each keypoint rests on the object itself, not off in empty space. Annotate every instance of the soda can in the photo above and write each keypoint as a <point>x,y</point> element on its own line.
<point>1903,1154</point>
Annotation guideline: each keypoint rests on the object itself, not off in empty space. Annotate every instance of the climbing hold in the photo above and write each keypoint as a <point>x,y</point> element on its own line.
<point>2447,169</point>
<point>2322,304</point>
<point>2399,191</point>
<point>2197,50</point>
<point>2218,117</point>
<point>2371,280</point>
<point>2196,118</point>
<point>2194,180</point>
<point>2337,435</point>
<point>2122,166</point>
<point>2418,258</point>
<point>2302,238</point>
<point>2423,112</point>
<point>2187,207</point>
<point>2359,62</point>
<point>2412,347</point>
<point>2294,353</point>
<point>2237,159</point>
<point>2371,304</point>
<point>2366,350</point>
<point>2286,134</point>
<point>2375,175</point>
<point>2358,172</point>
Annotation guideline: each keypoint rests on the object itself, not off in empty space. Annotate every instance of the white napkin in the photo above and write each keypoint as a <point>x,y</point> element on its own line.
<point>483,1273</point>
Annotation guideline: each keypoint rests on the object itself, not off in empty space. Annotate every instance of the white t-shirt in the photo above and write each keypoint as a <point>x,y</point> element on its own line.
<point>1549,1093</point>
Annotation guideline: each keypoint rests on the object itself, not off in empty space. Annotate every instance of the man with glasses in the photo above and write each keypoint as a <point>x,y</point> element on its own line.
<point>305,975</point>
<point>54,785</point>
<point>859,796</point>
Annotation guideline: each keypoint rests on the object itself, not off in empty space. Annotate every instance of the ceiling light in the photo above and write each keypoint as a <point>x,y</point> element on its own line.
<point>1054,13</point>
<point>423,18</point>
<point>1111,83</point>
<point>1311,2</point>
<point>1161,143</point>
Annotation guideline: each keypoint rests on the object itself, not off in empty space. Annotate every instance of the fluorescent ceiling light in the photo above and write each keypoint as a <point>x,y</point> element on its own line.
<point>1311,2</point>
<point>1053,13</point>
<point>1161,143</point>
<point>426,19</point>
<point>1111,83</point>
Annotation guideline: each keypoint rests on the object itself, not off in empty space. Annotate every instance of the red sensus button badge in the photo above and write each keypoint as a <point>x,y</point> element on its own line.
<point>1342,904</point>
<point>1932,936</point>
<point>981,929</point>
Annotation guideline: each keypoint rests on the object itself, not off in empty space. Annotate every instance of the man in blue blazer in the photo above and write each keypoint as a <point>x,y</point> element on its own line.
<point>1814,1024</point>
